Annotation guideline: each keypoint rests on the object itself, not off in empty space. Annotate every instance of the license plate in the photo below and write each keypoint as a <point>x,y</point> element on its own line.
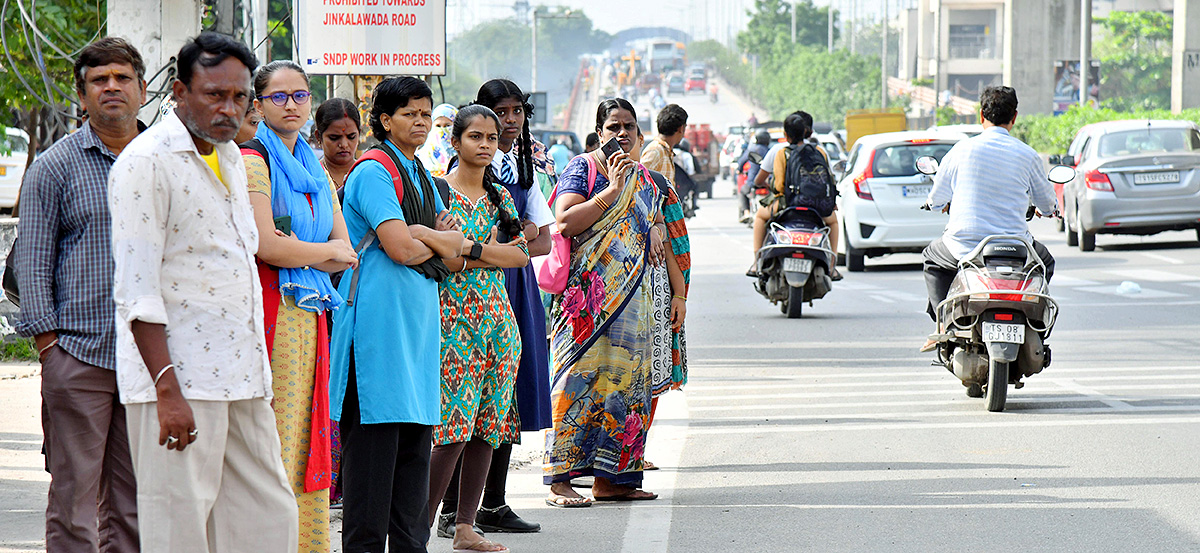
<point>1156,178</point>
<point>919,190</point>
<point>3,170</point>
<point>1004,332</point>
<point>794,265</point>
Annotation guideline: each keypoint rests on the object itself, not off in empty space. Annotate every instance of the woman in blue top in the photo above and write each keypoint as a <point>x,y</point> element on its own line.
<point>385,382</point>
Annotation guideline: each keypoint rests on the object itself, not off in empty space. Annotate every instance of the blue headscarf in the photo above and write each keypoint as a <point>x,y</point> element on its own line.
<point>295,178</point>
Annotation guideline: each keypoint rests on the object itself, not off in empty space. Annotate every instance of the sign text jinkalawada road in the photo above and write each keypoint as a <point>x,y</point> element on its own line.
<point>372,37</point>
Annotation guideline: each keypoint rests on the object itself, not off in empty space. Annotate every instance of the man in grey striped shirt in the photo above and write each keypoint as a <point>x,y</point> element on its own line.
<point>992,179</point>
<point>65,275</point>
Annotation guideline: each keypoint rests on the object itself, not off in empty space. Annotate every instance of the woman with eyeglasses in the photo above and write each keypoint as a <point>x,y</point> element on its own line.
<point>302,238</point>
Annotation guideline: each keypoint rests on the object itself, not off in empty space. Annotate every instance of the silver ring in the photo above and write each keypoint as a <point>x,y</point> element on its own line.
<point>172,439</point>
<point>193,433</point>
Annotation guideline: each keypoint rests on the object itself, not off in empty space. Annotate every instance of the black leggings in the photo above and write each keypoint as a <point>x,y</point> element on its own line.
<point>493,489</point>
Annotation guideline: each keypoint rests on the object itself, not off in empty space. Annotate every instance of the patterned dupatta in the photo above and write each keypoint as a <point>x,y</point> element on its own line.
<point>608,270</point>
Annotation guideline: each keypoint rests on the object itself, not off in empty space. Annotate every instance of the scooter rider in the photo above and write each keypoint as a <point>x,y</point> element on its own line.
<point>992,179</point>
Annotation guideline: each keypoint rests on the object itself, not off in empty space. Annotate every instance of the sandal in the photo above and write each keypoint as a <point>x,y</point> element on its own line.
<point>631,495</point>
<point>565,502</point>
<point>836,275</point>
<point>482,546</point>
<point>647,465</point>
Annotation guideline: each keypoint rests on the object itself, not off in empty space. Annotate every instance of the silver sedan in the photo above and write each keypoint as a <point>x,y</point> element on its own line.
<point>1133,177</point>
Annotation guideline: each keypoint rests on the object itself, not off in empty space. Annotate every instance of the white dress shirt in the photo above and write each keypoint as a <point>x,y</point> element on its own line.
<point>989,181</point>
<point>184,249</point>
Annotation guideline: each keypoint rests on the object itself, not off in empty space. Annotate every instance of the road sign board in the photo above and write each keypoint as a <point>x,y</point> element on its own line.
<point>372,37</point>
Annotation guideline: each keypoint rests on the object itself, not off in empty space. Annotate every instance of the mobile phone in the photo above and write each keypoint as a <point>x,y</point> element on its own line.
<point>284,224</point>
<point>610,148</point>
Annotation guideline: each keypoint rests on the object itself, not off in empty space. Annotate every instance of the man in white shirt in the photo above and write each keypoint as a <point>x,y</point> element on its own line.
<point>992,179</point>
<point>192,364</point>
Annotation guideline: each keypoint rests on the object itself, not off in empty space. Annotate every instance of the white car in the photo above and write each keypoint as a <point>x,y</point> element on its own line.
<point>14,153</point>
<point>881,195</point>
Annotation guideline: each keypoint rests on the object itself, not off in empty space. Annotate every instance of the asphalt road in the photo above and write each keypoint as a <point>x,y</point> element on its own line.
<point>831,433</point>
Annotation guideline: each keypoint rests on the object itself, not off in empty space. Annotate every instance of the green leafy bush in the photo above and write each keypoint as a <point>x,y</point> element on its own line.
<point>1051,134</point>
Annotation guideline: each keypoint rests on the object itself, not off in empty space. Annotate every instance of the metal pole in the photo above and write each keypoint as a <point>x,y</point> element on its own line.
<point>1085,49</point>
<point>533,68</point>
<point>851,23</point>
<point>829,32</point>
<point>793,22</point>
<point>883,55</point>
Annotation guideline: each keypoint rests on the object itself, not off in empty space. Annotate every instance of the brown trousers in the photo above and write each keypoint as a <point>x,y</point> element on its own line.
<point>93,496</point>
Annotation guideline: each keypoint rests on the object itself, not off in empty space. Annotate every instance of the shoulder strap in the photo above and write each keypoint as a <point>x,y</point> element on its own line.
<point>255,147</point>
<point>591,161</point>
<point>660,180</point>
<point>443,189</point>
<point>383,158</point>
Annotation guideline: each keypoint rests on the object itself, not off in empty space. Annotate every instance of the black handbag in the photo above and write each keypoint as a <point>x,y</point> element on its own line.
<point>10,277</point>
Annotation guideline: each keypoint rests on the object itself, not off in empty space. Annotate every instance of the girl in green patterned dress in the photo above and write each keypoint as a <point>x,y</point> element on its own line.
<point>481,345</point>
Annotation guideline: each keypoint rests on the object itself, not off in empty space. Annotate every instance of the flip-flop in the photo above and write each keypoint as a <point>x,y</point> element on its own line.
<point>474,548</point>
<point>564,502</point>
<point>647,465</point>
<point>631,495</point>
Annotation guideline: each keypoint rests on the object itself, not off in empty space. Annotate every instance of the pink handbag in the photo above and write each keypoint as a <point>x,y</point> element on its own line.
<point>553,274</point>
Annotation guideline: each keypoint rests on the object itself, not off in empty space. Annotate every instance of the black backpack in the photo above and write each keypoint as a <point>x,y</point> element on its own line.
<point>806,175</point>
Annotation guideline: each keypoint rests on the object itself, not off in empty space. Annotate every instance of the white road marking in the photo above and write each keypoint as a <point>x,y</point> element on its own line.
<point>1070,281</point>
<point>1024,398</point>
<point>1152,275</point>
<point>649,526</point>
<point>882,298</point>
<point>1163,258</point>
<point>1007,421</point>
<point>1054,369</point>
<point>1082,390</point>
<point>960,414</point>
<point>909,382</point>
<point>1111,289</point>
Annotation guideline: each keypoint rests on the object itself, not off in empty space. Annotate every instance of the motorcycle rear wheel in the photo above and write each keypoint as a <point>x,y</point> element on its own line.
<point>997,386</point>
<point>795,302</point>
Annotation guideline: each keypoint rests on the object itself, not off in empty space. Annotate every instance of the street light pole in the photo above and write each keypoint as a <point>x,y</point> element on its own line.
<point>883,55</point>
<point>829,32</point>
<point>793,22</point>
<point>533,71</point>
<point>1085,50</point>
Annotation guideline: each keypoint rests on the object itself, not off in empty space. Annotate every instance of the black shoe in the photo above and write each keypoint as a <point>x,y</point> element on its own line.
<point>502,519</point>
<point>446,528</point>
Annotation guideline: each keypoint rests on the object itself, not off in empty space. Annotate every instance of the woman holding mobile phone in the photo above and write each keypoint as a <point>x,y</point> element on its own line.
<point>610,207</point>
<point>290,191</point>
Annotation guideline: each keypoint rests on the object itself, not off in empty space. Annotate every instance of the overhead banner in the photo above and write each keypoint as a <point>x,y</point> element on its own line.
<point>372,37</point>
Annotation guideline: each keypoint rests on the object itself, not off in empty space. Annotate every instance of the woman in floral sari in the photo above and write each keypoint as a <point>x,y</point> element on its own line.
<point>602,325</point>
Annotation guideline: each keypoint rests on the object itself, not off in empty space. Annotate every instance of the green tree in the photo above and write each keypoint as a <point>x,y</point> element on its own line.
<point>37,89</point>
<point>770,26</point>
<point>1134,50</point>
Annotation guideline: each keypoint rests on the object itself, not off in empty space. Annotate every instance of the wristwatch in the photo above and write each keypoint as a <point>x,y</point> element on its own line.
<point>476,251</point>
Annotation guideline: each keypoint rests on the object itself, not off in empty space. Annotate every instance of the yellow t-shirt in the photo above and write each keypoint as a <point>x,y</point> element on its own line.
<point>215,165</point>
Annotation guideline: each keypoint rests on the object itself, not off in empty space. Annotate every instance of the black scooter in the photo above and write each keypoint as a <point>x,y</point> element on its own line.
<point>795,260</point>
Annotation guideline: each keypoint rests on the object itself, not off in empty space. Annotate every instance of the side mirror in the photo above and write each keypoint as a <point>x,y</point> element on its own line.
<point>1067,160</point>
<point>839,167</point>
<point>927,165</point>
<point>1061,174</point>
<point>1055,159</point>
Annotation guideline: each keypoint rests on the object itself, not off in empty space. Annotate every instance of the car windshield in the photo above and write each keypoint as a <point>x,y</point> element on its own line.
<point>1147,141</point>
<point>901,160</point>
<point>13,144</point>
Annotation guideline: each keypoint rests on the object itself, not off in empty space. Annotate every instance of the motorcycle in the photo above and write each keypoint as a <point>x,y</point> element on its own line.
<point>993,326</point>
<point>712,96</point>
<point>794,263</point>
